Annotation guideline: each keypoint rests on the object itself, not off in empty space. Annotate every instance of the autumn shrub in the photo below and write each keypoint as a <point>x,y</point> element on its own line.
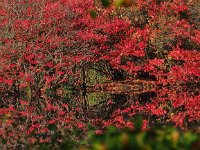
<point>49,46</point>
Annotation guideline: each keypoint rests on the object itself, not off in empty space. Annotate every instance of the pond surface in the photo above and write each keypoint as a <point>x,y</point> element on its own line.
<point>96,104</point>
<point>161,105</point>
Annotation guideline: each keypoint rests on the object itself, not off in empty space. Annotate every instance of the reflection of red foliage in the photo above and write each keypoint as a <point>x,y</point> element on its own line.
<point>145,125</point>
<point>179,119</point>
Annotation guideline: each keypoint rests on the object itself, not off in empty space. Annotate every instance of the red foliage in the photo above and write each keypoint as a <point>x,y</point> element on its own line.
<point>45,44</point>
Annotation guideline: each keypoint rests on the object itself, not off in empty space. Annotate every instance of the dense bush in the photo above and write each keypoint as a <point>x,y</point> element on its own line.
<point>49,47</point>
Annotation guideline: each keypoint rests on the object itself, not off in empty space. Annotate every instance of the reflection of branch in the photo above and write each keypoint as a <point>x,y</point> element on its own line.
<point>99,103</point>
<point>84,86</point>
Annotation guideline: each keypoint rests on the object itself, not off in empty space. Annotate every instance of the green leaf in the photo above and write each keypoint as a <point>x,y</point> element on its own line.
<point>52,127</point>
<point>138,122</point>
<point>4,141</point>
<point>93,14</point>
<point>118,3</point>
<point>105,3</point>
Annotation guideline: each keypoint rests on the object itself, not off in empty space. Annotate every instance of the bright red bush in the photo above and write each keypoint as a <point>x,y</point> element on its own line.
<point>45,44</point>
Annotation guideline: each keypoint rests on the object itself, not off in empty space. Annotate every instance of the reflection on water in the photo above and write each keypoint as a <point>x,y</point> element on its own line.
<point>101,104</point>
<point>104,102</point>
<point>174,105</point>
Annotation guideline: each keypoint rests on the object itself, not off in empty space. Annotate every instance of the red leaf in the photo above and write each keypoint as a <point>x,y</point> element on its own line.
<point>25,103</point>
